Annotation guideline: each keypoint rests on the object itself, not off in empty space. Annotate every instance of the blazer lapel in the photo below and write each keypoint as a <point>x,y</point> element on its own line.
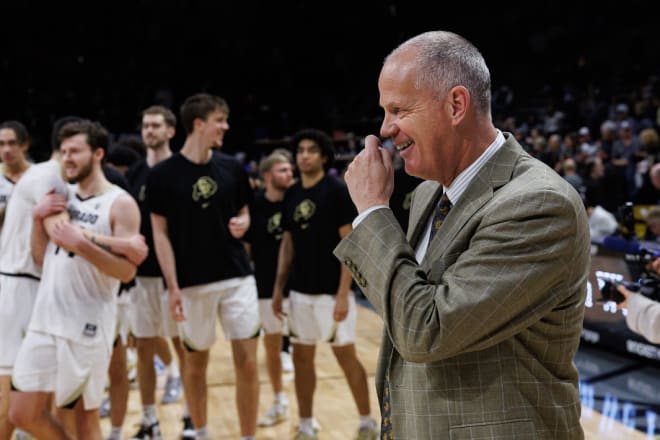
<point>425,197</point>
<point>495,173</point>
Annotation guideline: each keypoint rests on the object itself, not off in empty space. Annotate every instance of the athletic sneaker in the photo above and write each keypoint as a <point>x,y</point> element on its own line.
<point>287,364</point>
<point>151,432</point>
<point>304,436</point>
<point>173,390</point>
<point>104,409</point>
<point>22,435</point>
<point>276,414</point>
<point>131,365</point>
<point>188,429</point>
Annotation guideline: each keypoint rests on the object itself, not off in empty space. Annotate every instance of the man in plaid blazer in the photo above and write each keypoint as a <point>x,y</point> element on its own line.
<point>482,321</point>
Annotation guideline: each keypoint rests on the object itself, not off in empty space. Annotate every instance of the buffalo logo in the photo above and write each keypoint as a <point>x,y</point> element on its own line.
<point>203,189</point>
<point>304,212</point>
<point>274,225</point>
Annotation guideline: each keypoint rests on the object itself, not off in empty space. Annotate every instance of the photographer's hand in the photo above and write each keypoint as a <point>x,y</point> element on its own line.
<point>625,292</point>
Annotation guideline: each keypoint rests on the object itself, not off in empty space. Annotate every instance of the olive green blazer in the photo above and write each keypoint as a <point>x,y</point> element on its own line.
<point>479,339</point>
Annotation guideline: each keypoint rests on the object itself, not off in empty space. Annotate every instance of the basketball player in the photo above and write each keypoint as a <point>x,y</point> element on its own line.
<point>198,200</point>
<point>263,241</point>
<point>19,275</point>
<point>67,348</point>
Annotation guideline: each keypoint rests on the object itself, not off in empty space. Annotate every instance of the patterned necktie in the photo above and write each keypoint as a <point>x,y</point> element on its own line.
<point>386,412</point>
<point>441,212</point>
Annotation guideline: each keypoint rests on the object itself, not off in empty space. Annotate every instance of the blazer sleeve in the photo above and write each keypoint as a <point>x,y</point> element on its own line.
<point>514,261</point>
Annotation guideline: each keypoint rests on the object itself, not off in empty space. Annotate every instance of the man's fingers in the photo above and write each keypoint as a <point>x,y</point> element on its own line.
<point>372,143</point>
<point>386,158</point>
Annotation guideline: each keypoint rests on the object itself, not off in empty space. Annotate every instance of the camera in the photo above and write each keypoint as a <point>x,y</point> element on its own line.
<point>647,286</point>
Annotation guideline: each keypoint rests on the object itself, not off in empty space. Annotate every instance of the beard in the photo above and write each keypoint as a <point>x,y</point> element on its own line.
<point>154,144</point>
<point>84,172</point>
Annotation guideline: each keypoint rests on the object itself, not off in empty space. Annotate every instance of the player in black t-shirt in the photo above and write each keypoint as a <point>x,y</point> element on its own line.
<point>263,242</point>
<point>317,213</point>
<point>198,201</point>
<point>151,320</point>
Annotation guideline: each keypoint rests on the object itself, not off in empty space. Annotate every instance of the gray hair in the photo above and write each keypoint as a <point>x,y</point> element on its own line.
<point>445,60</point>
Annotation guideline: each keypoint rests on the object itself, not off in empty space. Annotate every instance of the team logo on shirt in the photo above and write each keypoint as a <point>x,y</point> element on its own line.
<point>89,330</point>
<point>304,212</point>
<point>407,200</point>
<point>274,225</point>
<point>203,189</point>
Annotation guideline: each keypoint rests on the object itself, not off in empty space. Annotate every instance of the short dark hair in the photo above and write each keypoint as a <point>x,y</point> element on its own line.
<point>97,135</point>
<point>22,135</point>
<point>57,125</point>
<point>200,106</point>
<point>320,138</point>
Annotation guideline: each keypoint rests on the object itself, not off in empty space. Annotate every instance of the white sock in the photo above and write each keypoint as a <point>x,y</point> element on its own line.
<point>281,398</point>
<point>149,414</point>
<point>172,370</point>
<point>247,437</point>
<point>202,433</point>
<point>186,411</point>
<point>115,433</point>
<point>307,425</point>
<point>367,421</point>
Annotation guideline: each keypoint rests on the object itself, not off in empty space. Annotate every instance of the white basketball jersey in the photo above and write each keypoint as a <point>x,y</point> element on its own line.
<point>6,188</point>
<point>75,299</point>
<point>15,255</point>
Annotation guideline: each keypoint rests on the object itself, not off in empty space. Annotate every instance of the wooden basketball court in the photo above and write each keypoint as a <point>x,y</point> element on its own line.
<point>333,405</point>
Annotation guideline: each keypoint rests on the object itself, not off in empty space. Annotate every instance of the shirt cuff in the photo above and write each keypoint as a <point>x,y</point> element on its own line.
<point>365,213</point>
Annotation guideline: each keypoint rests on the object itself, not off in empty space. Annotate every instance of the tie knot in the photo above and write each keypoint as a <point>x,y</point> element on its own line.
<point>444,205</point>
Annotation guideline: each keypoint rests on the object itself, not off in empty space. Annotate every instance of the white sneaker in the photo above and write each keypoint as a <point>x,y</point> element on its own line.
<point>173,390</point>
<point>131,364</point>
<point>104,409</point>
<point>22,435</point>
<point>276,414</point>
<point>287,363</point>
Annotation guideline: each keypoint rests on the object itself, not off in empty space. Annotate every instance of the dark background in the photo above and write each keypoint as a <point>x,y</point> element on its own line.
<point>286,65</point>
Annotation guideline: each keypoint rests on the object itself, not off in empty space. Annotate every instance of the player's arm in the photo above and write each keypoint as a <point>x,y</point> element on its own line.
<point>284,262</point>
<point>48,211</point>
<point>167,263</point>
<point>125,222</point>
<point>239,224</point>
<point>134,248</point>
<point>345,280</point>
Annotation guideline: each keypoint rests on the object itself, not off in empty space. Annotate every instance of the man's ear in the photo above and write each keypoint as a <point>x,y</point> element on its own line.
<point>99,153</point>
<point>459,102</point>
